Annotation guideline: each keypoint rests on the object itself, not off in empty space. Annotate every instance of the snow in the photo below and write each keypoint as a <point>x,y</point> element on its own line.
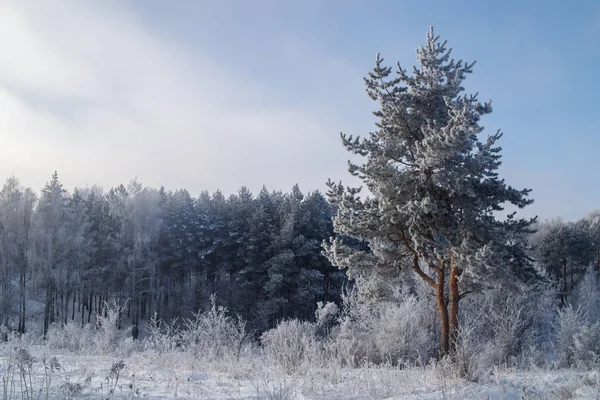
<point>148,375</point>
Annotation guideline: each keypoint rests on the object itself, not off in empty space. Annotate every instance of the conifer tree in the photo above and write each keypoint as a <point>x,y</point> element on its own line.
<point>436,193</point>
<point>16,213</point>
<point>564,250</point>
<point>52,242</point>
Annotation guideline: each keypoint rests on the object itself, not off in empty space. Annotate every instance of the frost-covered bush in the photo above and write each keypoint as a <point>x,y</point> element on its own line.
<point>4,332</point>
<point>577,340</point>
<point>500,328</point>
<point>398,330</point>
<point>326,316</point>
<point>109,337</point>
<point>163,337</point>
<point>577,326</point>
<point>586,295</point>
<point>494,326</point>
<point>72,337</point>
<point>212,335</point>
<point>106,337</point>
<point>586,344</point>
<point>290,344</point>
<point>403,331</point>
<point>209,336</point>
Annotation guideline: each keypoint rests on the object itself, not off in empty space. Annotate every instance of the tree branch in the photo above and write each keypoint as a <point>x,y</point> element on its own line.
<point>404,240</point>
<point>422,274</point>
<point>460,296</point>
<point>433,266</point>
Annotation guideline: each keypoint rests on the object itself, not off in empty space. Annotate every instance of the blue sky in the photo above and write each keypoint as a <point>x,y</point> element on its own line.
<point>207,95</point>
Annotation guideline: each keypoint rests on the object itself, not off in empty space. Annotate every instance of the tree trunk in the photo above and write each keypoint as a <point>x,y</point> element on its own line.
<point>564,298</point>
<point>91,303</point>
<point>66,307</point>
<point>73,311</point>
<point>572,273</point>
<point>454,299</point>
<point>158,303</point>
<point>149,307</point>
<point>83,305</point>
<point>47,312</point>
<point>23,301</point>
<point>443,310</point>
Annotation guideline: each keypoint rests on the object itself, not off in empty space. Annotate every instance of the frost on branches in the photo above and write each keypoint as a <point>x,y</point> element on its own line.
<point>436,194</point>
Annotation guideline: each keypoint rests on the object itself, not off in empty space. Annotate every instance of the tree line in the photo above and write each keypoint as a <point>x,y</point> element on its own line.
<point>161,254</point>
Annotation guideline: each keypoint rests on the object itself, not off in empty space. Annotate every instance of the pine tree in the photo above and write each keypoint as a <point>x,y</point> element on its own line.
<point>564,250</point>
<point>103,239</point>
<point>53,242</point>
<point>16,212</point>
<point>435,187</point>
<point>181,230</point>
<point>319,280</point>
<point>592,222</point>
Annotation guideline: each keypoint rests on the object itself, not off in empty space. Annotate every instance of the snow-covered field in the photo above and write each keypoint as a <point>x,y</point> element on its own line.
<point>39,372</point>
<point>212,356</point>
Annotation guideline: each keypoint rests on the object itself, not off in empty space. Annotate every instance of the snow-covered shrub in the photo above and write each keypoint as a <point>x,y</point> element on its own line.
<point>213,335</point>
<point>472,359</point>
<point>108,336</point>
<point>290,344</point>
<point>586,345</point>
<point>12,335</point>
<point>72,337</point>
<point>577,340</point>
<point>326,316</point>
<point>399,330</point>
<point>577,326</point>
<point>4,332</point>
<point>586,295</point>
<point>162,337</point>
<point>499,328</point>
<point>403,331</point>
<point>209,336</point>
<point>493,327</point>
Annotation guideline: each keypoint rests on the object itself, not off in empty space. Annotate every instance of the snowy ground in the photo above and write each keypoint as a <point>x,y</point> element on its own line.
<point>145,375</point>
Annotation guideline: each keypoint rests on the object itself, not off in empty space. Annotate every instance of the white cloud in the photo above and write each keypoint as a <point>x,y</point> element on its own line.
<point>93,93</point>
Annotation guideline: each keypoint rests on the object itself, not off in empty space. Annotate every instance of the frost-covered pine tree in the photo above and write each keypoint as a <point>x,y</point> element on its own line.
<point>16,213</point>
<point>564,250</point>
<point>435,189</point>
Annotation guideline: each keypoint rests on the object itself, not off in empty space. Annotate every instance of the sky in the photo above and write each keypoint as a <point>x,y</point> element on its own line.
<point>208,95</point>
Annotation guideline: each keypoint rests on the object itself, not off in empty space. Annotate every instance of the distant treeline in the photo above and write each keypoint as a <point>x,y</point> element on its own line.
<point>161,253</point>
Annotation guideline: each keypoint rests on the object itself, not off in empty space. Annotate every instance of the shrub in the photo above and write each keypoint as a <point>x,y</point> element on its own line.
<point>502,328</point>
<point>72,337</point>
<point>108,336</point>
<point>290,344</point>
<point>576,339</point>
<point>326,315</point>
<point>162,337</point>
<point>398,330</point>
<point>210,336</point>
<point>213,335</point>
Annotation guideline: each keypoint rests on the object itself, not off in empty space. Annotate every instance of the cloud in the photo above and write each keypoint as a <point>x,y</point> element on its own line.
<point>91,91</point>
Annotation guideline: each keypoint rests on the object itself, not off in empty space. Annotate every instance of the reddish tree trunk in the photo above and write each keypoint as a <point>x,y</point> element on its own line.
<point>443,310</point>
<point>454,299</point>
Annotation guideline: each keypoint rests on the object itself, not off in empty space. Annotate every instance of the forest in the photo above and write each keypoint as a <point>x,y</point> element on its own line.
<point>163,254</point>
